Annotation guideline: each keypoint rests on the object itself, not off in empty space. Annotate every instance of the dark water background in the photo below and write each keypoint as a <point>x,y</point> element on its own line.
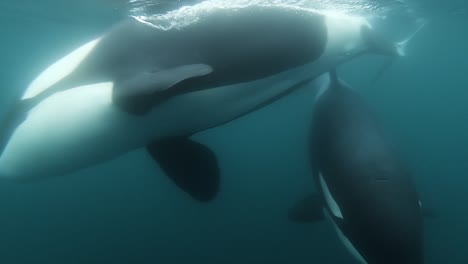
<point>127,211</point>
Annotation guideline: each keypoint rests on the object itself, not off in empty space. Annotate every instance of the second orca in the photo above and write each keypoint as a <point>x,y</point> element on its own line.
<point>365,188</point>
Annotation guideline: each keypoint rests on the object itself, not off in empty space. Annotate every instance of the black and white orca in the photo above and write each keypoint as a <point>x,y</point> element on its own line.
<point>141,86</point>
<point>365,188</point>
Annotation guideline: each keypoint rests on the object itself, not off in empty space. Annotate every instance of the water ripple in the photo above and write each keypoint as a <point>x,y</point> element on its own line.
<point>169,13</point>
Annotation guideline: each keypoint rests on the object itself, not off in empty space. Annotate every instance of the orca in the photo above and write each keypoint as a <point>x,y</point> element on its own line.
<point>364,186</point>
<point>141,86</point>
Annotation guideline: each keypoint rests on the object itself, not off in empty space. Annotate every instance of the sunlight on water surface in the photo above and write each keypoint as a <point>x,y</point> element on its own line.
<point>187,12</point>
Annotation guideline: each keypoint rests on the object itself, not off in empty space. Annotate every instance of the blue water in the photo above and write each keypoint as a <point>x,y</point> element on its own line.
<point>127,211</point>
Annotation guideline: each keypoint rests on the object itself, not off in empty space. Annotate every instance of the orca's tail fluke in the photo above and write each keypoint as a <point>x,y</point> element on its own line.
<point>401,46</point>
<point>393,50</point>
<point>379,44</point>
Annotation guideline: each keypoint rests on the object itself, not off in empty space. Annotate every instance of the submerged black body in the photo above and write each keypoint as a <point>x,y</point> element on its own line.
<point>371,185</point>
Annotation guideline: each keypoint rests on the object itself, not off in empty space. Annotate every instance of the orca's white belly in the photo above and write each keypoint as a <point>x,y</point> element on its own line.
<point>80,127</point>
<point>67,130</point>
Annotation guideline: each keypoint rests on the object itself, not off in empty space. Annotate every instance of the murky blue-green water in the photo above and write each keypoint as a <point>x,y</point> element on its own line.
<point>127,211</point>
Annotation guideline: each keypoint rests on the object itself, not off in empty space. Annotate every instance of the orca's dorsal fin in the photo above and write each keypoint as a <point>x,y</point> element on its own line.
<point>335,81</point>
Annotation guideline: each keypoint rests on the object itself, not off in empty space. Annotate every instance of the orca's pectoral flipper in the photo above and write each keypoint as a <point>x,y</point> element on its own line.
<point>134,94</point>
<point>429,212</point>
<point>193,167</point>
<point>307,210</point>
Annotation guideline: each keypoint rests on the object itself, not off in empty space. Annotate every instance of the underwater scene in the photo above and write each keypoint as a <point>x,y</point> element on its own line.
<point>234,131</point>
